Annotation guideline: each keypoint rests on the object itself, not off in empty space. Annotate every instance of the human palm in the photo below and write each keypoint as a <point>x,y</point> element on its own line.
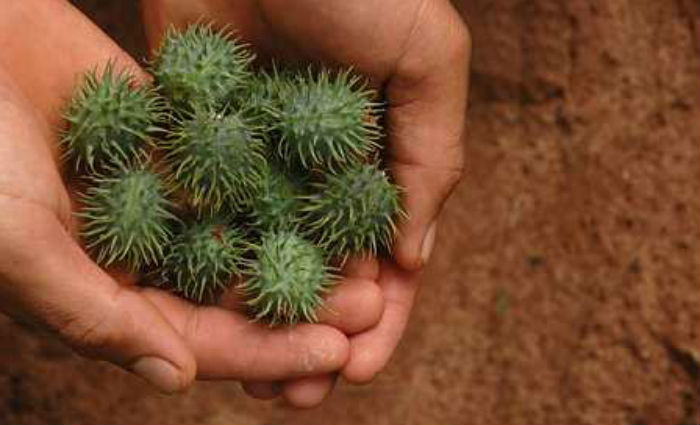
<point>416,52</point>
<point>46,278</point>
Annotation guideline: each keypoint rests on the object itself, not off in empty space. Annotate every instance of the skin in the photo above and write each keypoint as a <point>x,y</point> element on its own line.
<point>47,280</point>
<point>417,53</point>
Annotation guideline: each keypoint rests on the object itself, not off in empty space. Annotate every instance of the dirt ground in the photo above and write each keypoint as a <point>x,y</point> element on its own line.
<point>565,286</point>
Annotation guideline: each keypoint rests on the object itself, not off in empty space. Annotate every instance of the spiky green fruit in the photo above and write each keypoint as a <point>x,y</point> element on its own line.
<point>126,217</point>
<point>203,259</point>
<point>278,204</point>
<point>262,96</point>
<point>215,160</point>
<point>201,66</point>
<point>259,94</point>
<point>110,118</point>
<point>287,280</point>
<point>353,212</point>
<point>325,120</point>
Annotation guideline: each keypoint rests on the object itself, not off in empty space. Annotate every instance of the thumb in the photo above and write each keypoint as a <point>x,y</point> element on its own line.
<point>45,277</point>
<point>427,98</point>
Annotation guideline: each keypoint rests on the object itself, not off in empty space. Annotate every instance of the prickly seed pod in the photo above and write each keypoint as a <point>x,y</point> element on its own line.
<point>353,212</point>
<point>203,259</point>
<point>263,92</point>
<point>201,66</point>
<point>216,160</point>
<point>287,280</point>
<point>126,217</point>
<point>260,94</point>
<point>277,206</point>
<point>110,118</point>
<point>325,120</point>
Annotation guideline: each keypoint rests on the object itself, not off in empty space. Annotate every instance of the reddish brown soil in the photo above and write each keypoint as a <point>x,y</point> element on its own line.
<point>566,282</point>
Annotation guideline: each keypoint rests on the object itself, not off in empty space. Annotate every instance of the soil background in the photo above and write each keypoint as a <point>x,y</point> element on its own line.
<point>565,286</point>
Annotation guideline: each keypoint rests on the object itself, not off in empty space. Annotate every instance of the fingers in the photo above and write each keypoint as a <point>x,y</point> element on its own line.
<point>353,306</point>
<point>302,393</point>
<point>341,312</point>
<point>45,277</point>
<point>370,351</point>
<point>308,392</point>
<point>227,345</point>
<point>425,122</point>
<point>46,68</point>
<point>262,390</point>
<point>361,267</point>
<point>159,15</point>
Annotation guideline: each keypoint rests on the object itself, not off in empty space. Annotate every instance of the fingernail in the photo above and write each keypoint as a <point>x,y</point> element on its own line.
<point>428,242</point>
<point>158,372</point>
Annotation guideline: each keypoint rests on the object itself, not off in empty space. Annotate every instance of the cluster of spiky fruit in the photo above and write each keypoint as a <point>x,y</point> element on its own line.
<point>223,175</point>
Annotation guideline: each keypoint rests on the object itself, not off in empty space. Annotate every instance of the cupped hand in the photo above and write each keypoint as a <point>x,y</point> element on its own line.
<point>48,280</point>
<point>417,53</point>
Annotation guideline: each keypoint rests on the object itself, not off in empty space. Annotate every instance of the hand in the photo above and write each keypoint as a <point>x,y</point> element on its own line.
<point>417,52</point>
<point>46,278</point>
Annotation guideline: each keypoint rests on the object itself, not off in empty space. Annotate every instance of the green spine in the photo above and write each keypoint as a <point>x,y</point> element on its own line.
<point>260,97</point>
<point>278,205</point>
<point>110,119</point>
<point>353,212</point>
<point>126,217</point>
<point>292,151</point>
<point>216,160</point>
<point>325,120</point>
<point>287,280</point>
<point>201,67</point>
<point>203,259</point>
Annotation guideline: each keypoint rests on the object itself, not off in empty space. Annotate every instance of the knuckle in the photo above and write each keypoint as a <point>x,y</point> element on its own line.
<point>95,334</point>
<point>460,44</point>
<point>326,353</point>
<point>454,176</point>
<point>455,171</point>
<point>373,302</point>
<point>450,179</point>
<point>88,337</point>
